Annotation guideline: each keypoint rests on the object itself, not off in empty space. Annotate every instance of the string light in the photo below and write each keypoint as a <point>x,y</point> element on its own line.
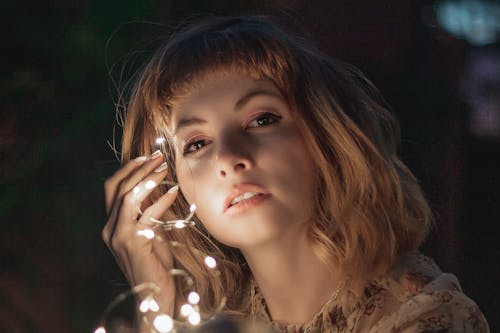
<point>150,184</point>
<point>194,318</point>
<point>210,262</point>
<point>149,304</point>
<point>193,297</point>
<point>186,310</point>
<point>177,224</point>
<point>148,233</point>
<point>163,323</point>
<point>159,141</point>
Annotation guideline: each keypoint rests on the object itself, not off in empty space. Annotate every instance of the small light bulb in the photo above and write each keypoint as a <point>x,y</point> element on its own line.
<point>136,190</point>
<point>186,310</point>
<point>100,329</point>
<point>144,307</point>
<point>148,233</point>
<point>159,141</point>
<point>150,184</point>
<point>194,318</point>
<point>180,224</point>
<point>192,208</point>
<point>193,297</point>
<point>163,323</point>
<point>210,262</point>
<point>153,306</point>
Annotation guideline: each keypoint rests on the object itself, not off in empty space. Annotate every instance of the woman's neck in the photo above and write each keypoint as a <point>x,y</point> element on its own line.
<point>293,281</point>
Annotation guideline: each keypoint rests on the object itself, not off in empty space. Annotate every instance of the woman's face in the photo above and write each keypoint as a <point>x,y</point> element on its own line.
<point>241,159</point>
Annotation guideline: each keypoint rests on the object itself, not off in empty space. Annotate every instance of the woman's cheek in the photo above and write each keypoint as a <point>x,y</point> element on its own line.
<point>192,177</point>
<point>185,181</point>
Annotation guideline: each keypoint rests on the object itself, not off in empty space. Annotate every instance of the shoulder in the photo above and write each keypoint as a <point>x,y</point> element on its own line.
<point>419,297</point>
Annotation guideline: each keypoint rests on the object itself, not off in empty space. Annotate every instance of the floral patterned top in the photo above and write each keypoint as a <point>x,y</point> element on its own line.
<point>414,296</point>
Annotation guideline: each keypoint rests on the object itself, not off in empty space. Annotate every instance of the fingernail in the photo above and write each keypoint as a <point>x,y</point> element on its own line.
<point>162,167</point>
<point>173,189</point>
<point>155,155</point>
<point>140,159</point>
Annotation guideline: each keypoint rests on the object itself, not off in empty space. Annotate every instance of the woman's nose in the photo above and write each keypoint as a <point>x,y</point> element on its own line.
<point>233,157</point>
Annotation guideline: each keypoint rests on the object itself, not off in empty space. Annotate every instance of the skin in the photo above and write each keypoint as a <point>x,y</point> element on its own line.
<point>140,259</point>
<point>255,143</point>
<point>227,139</point>
<point>229,143</point>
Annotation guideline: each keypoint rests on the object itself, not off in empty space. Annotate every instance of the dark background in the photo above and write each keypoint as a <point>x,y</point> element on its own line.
<point>57,115</point>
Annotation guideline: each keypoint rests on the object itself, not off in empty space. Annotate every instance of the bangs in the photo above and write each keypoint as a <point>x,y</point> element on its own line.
<point>240,45</point>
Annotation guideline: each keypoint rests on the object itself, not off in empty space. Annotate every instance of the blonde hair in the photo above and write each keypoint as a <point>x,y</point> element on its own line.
<point>368,207</point>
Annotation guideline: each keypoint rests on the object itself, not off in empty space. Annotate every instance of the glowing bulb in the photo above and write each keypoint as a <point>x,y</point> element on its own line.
<point>163,323</point>
<point>148,233</point>
<point>186,310</point>
<point>193,297</point>
<point>100,330</point>
<point>159,141</point>
<point>136,190</point>
<point>210,262</point>
<point>153,306</point>
<point>192,208</point>
<point>144,307</point>
<point>180,224</point>
<point>150,184</point>
<point>194,318</point>
<point>149,304</point>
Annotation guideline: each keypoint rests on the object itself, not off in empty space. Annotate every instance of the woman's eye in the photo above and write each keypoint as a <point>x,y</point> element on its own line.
<point>194,146</point>
<point>265,119</point>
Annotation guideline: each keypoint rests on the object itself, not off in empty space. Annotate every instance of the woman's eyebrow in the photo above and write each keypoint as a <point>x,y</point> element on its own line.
<point>185,122</point>
<point>248,96</point>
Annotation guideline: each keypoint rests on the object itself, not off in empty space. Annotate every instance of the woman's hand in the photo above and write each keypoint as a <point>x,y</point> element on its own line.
<point>140,259</point>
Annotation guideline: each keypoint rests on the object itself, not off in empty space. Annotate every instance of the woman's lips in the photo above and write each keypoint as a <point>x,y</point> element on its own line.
<point>247,204</point>
<point>239,189</point>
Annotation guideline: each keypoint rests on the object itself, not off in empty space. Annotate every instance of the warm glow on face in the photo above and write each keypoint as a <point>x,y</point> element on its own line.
<point>234,131</point>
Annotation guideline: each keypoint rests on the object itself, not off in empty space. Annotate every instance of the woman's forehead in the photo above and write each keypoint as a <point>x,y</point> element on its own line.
<point>218,86</point>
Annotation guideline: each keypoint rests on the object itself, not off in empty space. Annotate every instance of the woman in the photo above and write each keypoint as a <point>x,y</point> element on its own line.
<point>290,158</point>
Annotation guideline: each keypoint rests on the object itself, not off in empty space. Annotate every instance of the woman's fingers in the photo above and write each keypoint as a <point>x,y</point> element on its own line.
<point>134,247</point>
<point>157,210</point>
<point>128,176</point>
<point>111,184</point>
<point>147,168</point>
<point>125,209</point>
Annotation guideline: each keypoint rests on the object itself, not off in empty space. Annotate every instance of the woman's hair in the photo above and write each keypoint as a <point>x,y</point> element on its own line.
<point>368,207</point>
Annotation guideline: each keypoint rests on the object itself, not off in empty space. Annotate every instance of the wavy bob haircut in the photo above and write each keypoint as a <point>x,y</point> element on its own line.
<point>368,206</point>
